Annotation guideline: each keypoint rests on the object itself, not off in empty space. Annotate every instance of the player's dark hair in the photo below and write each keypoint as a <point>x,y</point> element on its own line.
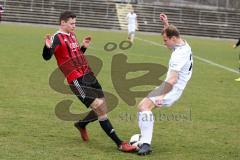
<point>171,31</point>
<point>64,16</point>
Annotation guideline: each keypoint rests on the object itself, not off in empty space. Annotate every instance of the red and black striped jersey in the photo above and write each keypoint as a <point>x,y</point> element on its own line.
<point>69,55</point>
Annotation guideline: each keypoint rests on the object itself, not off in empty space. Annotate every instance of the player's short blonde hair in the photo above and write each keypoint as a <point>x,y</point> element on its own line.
<point>171,31</point>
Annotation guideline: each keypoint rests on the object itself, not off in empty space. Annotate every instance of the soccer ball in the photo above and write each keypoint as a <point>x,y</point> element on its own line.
<point>136,140</point>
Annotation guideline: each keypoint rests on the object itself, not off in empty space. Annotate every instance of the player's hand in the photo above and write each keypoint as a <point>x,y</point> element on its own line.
<point>159,102</point>
<point>86,41</point>
<point>48,41</point>
<point>234,46</point>
<point>164,19</point>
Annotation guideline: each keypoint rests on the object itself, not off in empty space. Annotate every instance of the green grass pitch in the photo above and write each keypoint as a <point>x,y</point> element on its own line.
<point>30,130</point>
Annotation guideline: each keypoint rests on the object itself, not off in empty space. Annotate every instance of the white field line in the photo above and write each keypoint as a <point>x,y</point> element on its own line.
<point>197,57</point>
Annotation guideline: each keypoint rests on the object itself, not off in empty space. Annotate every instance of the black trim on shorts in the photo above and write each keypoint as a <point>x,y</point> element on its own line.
<point>87,89</point>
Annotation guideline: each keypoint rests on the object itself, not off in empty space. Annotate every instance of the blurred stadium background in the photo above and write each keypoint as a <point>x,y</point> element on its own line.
<point>209,128</point>
<point>215,18</point>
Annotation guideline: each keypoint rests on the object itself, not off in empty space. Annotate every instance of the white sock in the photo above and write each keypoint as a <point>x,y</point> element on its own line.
<point>132,37</point>
<point>145,123</point>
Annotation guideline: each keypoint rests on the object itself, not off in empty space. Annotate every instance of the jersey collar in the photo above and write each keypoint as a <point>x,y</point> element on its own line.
<point>63,33</point>
<point>179,45</point>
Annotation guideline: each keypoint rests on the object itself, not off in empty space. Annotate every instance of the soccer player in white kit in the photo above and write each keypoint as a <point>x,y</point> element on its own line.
<point>132,25</point>
<point>179,72</point>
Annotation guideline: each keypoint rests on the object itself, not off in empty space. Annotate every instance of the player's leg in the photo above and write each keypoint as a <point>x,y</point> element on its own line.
<point>238,79</point>
<point>100,107</point>
<point>145,123</point>
<point>131,32</point>
<point>132,36</point>
<point>129,35</point>
<point>92,96</point>
<point>146,118</point>
<point>90,117</point>
<point>81,124</point>
<point>79,89</point>
<point>86,88</point>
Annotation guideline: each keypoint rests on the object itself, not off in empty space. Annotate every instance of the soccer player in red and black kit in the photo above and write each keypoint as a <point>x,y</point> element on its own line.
<point>73,63</point>
<point>235,46</point>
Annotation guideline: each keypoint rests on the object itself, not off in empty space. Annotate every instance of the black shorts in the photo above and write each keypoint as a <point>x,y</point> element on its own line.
<point>87,89</point>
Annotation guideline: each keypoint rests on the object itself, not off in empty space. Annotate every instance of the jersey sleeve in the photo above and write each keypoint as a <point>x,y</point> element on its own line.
<point>83,49</point>
<point>55,43</point>
<point>48,52</point>
<point>178,60</point>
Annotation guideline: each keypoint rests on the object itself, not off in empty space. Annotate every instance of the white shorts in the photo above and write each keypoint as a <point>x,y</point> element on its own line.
<point>131,29</point>
<point>169,98</point>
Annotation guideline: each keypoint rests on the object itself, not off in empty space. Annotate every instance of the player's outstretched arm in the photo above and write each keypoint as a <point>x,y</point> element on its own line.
<point>85,43</point>
<point>48,41</point>
<point>166,86</point>
<point>164,19</point>
<point>47,54</point>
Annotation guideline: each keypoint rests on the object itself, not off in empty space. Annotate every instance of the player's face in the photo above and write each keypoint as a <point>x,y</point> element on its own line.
<point>70,25</point>
<point>169,42</point>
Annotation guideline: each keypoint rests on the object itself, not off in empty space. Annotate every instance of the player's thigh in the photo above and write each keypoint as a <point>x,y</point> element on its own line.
<point>168,99</point>
<point>87,89</point>
<point>99,106</point>
<point>131,29</point>
<point>171,97</point>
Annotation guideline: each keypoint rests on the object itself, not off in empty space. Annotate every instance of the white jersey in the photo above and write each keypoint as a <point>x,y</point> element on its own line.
<point>181,61</point>
<point>131,18</point>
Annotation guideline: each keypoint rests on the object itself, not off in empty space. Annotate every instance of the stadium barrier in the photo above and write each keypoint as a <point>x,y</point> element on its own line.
<point>109,14</point>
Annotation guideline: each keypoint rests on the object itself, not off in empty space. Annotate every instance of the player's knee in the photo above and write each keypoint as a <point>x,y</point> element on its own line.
<point>98,103</point>
<point>99,106</point>
<point>145,105</point>
<point>142,108</point>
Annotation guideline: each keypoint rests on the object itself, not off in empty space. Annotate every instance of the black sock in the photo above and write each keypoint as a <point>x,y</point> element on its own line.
<point>107,127</point>
<point>91,117</point>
